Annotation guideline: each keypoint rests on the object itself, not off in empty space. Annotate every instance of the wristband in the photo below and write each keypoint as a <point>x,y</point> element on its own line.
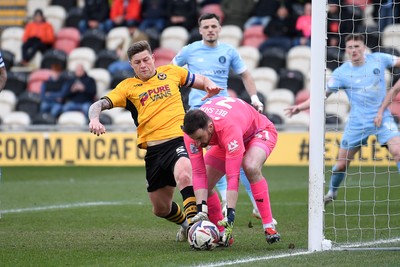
<point>254,98</point>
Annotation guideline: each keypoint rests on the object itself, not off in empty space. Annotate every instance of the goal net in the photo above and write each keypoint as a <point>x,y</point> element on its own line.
<point>366,211</point>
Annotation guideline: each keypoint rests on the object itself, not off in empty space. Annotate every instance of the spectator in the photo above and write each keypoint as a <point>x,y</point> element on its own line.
<point>182,13</point>
<point>51,92</point>
<point>262,13</point>
<point>154,15</point>
<point>124,13</point>
<point>95,15</point>
<point>236,12</point>
<point>3,73</point>
<point>333,19</point>
<point>386,12</point>
<point>281,30</point>
<point>120,65</point>
<point>38,36</point>
<point>79,92</point>
<point>303,26</point>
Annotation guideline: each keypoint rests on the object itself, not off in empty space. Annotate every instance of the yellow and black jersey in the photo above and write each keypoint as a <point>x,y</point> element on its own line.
<point>156,104</point>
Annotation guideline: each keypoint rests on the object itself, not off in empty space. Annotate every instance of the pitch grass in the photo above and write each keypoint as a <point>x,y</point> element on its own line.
<point>128,234</point>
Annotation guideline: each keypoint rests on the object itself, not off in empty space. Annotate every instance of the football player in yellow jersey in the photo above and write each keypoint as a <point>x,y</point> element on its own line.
<point>154,99</point>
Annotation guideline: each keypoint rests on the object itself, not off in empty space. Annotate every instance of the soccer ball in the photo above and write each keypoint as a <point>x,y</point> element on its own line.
<point>203,235</point>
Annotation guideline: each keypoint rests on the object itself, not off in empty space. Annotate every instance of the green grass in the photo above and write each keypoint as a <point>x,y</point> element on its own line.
<point>123,231</point>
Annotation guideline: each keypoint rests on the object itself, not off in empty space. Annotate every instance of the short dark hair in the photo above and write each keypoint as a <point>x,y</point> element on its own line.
<point>355,37</point>
<point>138,47</point>
<point>209,16</point>
<point>194,120</point>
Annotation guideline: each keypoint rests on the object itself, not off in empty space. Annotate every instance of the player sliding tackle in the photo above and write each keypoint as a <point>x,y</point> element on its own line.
<point>154,99</point>
<point>239,136</point>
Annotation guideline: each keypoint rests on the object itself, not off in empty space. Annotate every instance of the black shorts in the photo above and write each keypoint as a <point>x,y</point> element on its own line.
<point>160,162</point>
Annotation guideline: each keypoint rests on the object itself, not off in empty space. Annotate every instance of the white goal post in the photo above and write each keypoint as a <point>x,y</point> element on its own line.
<point>366,214</point>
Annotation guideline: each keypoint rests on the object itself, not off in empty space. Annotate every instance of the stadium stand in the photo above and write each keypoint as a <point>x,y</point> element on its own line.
<point>74,15</point>
<point>54,56</point>
<point>30,103</point>
<point>273,57</point>
<point>12,13</point>
<point>8,101</point>
<point>32,5</point>
<point>36,79</point>
<point>8,58</point>
<point>254,36</point>
<point>11,40</point>
<point>102,78</point>
<point>174,38</point>
<point>104,58</point>
<point>291,79</point>
<point>84,55</point>
<point>67,39</point>
<point>163,56</point>
<point>231,34</point>
<point>95,39</point>
<point>391,35</point>
<point>118,37</point>
<point>16,120</point>
<point>235,83</point>
<point>265,79</point>
<point>250,55</point>
<point>16,82</point>
<point>55,15</point>
<point>71,119</point>
<point>299,58</point>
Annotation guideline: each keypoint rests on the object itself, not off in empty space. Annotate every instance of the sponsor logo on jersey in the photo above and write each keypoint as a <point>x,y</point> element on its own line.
<point>222,59</point>
<point>162,76</point>
<point>233,146</point>
<point>194,149</point>
<point>155,94</point>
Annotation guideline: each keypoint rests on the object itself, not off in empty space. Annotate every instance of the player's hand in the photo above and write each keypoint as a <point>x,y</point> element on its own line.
<point>291,110</point>
<point>255,101</point>
<point>211,91</point>
<point>96,127</point>
<point>378,120</point>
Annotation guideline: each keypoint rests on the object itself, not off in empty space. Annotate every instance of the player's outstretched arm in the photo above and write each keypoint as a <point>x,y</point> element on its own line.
<point>95,126</point>
<point>205,84</point>
<point>252,91</point>
<point>295,109</point>
<point>391,94</point>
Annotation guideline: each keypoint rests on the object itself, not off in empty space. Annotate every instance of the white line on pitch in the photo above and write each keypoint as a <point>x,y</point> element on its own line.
<point>248,260</point>
<point>67,206</point>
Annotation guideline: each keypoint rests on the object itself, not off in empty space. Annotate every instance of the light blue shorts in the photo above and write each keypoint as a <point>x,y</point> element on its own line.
<point>353,138</point>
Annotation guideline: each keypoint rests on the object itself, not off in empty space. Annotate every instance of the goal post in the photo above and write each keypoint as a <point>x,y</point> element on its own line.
<point>366,213</point>
<point>317,127</point>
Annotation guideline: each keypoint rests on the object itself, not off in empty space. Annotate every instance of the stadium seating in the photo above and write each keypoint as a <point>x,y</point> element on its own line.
<point>55,15</point>
<point>291,79</point>
<point>250,55</point>
<point>43,119</point>
<point>36,79</point>
<point>235,83</point>
<point>163,56</point>
<point>118,77</point>
<point>302,96</point>
<point>30,103</point>
<point>8,58</point>
<point>8,101</point>
<point>16,82</point>
<point>281,95</point>
<point>54,56</point>
<point>213,8</point>
<point>299,58</point>
<point>11,40</point>
<point>105,119</point>
<point>124,119</point>
<point>338,104</point>
<point>174,37</point>
<point>67,5</point>
<point>67,39</point>
<point>81,55</point>
<point>113,113</point>
<point>265,79</point>
<point>16,120</point>
<point>102,78</point>
<point>194,35</point>
<point>273,57</point>
<point>74,16</point>
<point>71,120</point>
<point>104,58</point>
<point>254,36</point>
<point>298,122</point>
<point>391,35</point>
<point>334,57</point>
<point>231,34</point>
<point>95,39</point>
<point>32,5</point>
<point>118,37</point>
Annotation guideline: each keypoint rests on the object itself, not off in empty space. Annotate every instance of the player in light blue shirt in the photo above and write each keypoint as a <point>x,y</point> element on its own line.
<point>363,80</point>
<point>213,59</point>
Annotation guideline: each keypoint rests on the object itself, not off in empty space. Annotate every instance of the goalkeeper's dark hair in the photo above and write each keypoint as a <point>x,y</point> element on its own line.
<point>194,120</point>
<point>355,37</point>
